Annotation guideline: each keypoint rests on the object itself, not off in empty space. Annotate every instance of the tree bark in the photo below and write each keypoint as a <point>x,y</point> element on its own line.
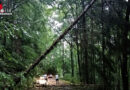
<point>78,55</point>
<point>93,53</point>
<point>72,61</point>
<point>63,65</point>
<point>124,49</point>
<point>85,45</point>
<point>103,45</point>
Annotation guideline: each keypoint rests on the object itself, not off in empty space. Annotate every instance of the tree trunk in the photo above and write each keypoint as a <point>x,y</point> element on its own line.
<point>78,54</point>
<point>92,55</point>
<point>85,45</point>
<point>124,49</point>
<point>63,65</point>
<point>103,44</point>
<point>72,61</point>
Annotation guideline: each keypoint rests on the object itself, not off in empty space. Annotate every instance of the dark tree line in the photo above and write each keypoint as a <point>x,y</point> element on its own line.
<point>102,41</point>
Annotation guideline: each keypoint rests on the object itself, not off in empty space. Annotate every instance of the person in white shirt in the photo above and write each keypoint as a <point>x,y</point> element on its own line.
<point>45,76</point>
<point>57,79</point>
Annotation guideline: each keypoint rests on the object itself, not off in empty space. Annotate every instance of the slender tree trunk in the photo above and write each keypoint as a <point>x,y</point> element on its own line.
<point>79,65</point>
<point>63,65</point>
<point>124,49</point>
<point>81,56</point>
<point>119,73</point>
<point>72,61</point>
<point>78,46</point>
<point>103,45</point>
<point>92,55</point>
<point>85,45</point>
<point>78,54</point>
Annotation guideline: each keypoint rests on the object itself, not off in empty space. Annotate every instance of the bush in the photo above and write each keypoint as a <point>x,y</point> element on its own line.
<point>73,80</point>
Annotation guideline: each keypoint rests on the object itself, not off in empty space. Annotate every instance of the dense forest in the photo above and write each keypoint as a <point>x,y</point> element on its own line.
<point>84,41</point>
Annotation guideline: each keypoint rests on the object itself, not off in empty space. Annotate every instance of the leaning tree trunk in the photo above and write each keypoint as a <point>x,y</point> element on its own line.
<point>37,61</point>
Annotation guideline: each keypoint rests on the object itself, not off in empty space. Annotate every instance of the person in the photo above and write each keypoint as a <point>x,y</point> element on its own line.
<point>57,79</point>
<point>45,76</point>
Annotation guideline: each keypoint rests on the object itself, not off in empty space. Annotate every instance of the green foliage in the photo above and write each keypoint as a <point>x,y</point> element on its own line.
<point>35,24</point>
<point>6,80</point>
<point>73,80</point>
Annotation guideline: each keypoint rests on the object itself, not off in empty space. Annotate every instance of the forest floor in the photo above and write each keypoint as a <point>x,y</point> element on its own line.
<point>62,85</point>
<point>52,81</point>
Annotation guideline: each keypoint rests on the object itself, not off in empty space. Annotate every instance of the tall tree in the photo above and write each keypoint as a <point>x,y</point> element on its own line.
<point>124,48</point>
<point>85,44</point>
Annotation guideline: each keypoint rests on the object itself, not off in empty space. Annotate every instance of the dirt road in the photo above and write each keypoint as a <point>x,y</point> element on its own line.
<point>52,81</point>
<point>63,85</point>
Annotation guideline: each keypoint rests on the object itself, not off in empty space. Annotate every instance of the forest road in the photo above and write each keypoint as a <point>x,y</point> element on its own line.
<point>62,85</point>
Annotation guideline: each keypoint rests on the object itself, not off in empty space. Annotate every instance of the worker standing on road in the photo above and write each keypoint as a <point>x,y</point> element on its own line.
<point>57,79</point>
<point>45,76</point>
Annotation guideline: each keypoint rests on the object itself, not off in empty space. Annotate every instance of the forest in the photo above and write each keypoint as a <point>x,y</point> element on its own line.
<point>85,42</point>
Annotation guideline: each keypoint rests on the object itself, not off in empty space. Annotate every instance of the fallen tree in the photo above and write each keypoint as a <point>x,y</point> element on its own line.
<point>37,61</point>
